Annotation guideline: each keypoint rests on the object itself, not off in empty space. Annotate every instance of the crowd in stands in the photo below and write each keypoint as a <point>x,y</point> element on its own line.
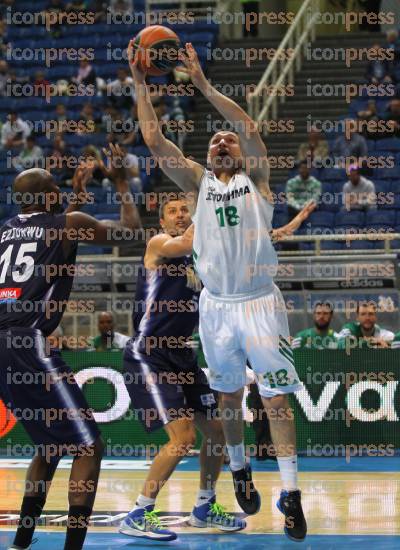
<point>72,109</point>
<point>352,169</point>
<point>364,332</point>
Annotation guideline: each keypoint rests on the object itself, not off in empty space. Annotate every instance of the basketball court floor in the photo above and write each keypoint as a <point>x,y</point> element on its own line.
<point>348,505</point>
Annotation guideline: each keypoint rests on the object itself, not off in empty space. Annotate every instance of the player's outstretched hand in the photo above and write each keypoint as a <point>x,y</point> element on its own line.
<point>139,77</point>
<point>288,229</point>
<point>81,178</point>
<point>192,66</point>
<point>115,169</point>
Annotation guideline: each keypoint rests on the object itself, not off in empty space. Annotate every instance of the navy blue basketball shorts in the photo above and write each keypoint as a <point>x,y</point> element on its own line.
<point>166,385</point>
<point>42,393</point>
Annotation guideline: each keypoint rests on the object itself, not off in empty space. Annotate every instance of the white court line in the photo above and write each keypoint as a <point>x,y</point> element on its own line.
<point>106,464</point>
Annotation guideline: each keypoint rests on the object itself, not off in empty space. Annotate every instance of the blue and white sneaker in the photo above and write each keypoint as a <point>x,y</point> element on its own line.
<point>145,523</point>
<point>212,514</point>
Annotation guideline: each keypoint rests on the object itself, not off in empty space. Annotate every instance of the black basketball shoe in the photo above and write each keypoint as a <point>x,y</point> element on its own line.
<point>289,504</point>
<point>246,494</point>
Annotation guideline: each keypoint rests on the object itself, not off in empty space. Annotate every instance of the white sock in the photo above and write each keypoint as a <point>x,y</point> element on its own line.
<point>237,456</point>
<point>143,501</point>
<point>204,495</point>
<point>288,471</point>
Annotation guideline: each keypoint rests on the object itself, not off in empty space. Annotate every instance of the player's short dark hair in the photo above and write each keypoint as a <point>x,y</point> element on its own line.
<point>365,303</point>
<point>329,305</point>
<point>166,200</point>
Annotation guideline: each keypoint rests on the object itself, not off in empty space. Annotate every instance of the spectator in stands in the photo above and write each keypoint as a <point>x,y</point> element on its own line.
<point>86,74</point>
<point>55,7</point>
<point>371,7</point>
<point>76,6</point>
<point>121,91</point>
<point>251,15</point>
<point>358,192</point>
<point>107,339</point>
<point>59,160</point>
<point>99,8</point>
<point>89,116</point>
<point>131,163</point>
<point>61,112</point>
<point>378,70</point>
<point>302,189</point>
<point>133,135</point>
<point>352,146</point>
<point>364,332</point>
<point>4,76</point>
<point>393,42</point>
<point>14,132</point>
<point>4,44</point>
<point>392,115</point>
<point>4,6</point>
<point>320,336</point>
<point>396,341</point>
<point>31,156</point>
<point>315,149</point>
<point>121,7</point>
<point>14,82</point>
<point>369,114</point>
<point>41,85</point>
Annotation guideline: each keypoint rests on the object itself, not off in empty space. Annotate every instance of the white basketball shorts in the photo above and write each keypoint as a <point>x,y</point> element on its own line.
<point>254,330</point>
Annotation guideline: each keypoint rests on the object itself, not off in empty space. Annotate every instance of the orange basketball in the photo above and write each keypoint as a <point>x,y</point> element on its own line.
<point>158,49</point>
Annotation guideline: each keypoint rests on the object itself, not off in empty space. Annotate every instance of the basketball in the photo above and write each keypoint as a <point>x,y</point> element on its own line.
<point>158,48</point>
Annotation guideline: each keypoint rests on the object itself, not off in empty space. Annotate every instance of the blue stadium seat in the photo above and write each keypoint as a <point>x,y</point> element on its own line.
<point>383,186</point>
<point>84,249</point>
<point>388,144</point>
<point>333,174</point>
<point>359,245</point>
<point>332,245</point>
<point>386,217</point>
<point>387,173</point>
<point>279,219</point>
<point>350,219</point>
<point>371,143</point>
<point>322,219</point>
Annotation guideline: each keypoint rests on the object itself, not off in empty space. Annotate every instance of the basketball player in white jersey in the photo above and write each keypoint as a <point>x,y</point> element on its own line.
<point>242,313</point>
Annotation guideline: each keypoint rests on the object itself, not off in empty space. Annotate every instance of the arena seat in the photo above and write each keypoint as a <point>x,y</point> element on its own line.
<point>350,219</point>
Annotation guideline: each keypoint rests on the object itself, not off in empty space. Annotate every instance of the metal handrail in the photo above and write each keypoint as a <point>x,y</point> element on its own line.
<point>263,101</point>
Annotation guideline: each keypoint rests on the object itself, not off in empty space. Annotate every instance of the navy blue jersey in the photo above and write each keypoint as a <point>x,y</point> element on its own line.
<point>166,301</point>
<point>35,276</point>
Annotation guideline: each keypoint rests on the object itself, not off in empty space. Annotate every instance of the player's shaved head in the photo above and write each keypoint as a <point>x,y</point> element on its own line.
<point>35,190</point>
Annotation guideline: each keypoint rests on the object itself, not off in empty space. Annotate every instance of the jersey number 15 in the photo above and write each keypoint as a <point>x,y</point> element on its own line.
<point>24,263</point>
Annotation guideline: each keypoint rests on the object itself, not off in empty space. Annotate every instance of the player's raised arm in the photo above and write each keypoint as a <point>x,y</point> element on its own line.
<point>253,147</point>
<point>85,228</point>
<point>183,171</point>
<point>166,246</point>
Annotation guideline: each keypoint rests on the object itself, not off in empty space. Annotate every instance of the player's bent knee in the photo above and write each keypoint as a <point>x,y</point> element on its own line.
<point>234,397</point>
<point>183,442</point>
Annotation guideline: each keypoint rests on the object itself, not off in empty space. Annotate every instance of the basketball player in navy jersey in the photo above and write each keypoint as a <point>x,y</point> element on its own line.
<point>37,259</point>
<point>242,312</point>
<point>167,387</point>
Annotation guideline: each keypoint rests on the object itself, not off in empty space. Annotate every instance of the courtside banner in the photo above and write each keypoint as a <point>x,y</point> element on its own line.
<point>350,404</point>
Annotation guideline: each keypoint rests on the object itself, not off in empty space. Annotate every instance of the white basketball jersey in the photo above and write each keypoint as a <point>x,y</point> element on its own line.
<point>232,249</point>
